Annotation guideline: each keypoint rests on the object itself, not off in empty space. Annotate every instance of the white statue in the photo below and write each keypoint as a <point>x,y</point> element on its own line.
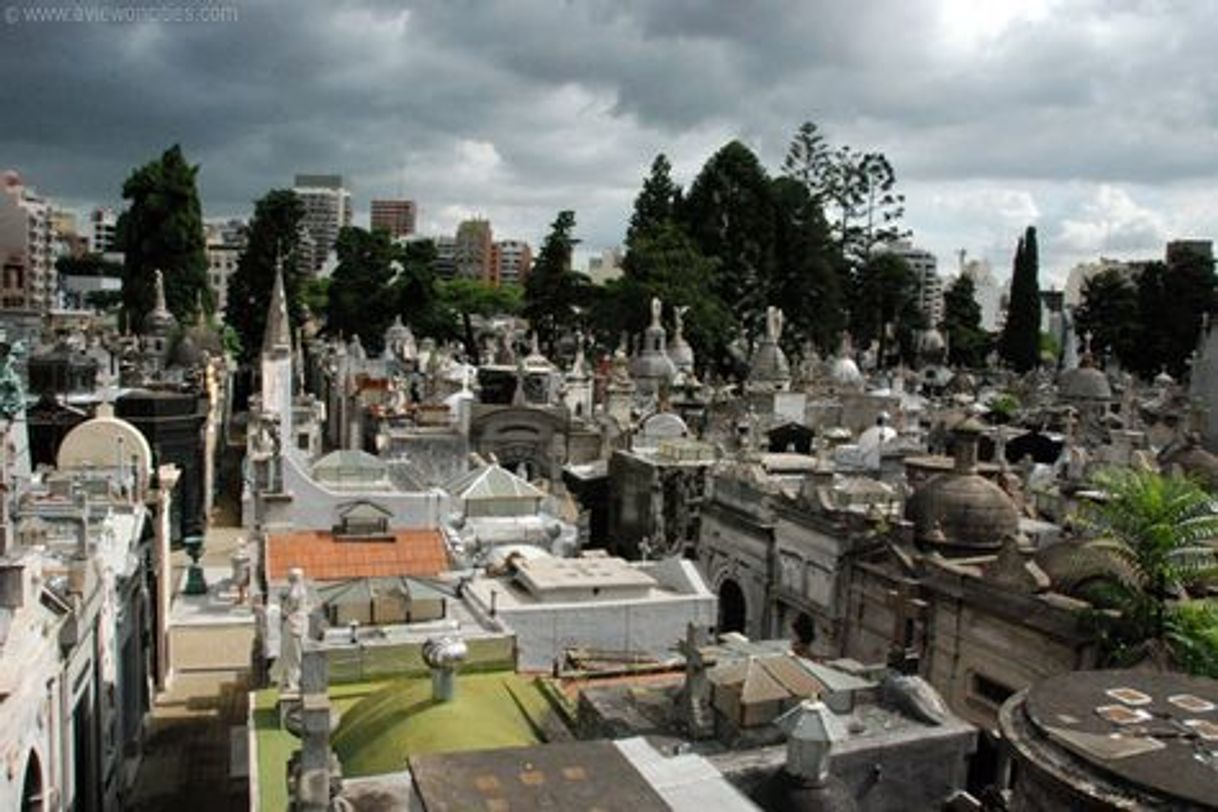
<point>678,317</point>
<point>295,626</point>
<point>657,309</point>
<point>773,324</point>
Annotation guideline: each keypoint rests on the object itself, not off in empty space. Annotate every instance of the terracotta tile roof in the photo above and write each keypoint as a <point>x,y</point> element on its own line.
<point>326,558</point>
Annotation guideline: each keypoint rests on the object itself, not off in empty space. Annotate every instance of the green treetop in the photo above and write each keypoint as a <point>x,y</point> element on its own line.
<point>274,236</point>
<point>162,229</point>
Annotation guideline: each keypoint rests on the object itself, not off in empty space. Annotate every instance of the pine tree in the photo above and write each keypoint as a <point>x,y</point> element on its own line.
<point>1020,343</point>
<point>730,215</point>
<point>967,342</point>
<point>163,230</point>
<point>656,203</point>
<point>553,291</point>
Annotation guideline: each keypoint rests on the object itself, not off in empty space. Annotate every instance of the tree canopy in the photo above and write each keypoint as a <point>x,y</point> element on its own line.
<point>274,236</point>
<point>1109,313</point>
<point>1149,317</point>
<point>554,293</point>
<point>885,298</point>
<point>730,215</point>
<point>162,229</point>
<point>967,342</point>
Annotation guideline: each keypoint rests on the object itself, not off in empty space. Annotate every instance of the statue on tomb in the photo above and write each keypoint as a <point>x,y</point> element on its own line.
<point>773,324</point>
<point>657,310</point>
<point>12,393</point>
<point>295,625</point>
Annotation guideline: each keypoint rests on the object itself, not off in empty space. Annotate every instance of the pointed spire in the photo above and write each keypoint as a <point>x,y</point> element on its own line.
<point>159,286</point>
<point>278,334</point>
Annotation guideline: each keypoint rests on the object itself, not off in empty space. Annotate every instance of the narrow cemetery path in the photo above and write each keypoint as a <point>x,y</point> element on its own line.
<point>195,747</point>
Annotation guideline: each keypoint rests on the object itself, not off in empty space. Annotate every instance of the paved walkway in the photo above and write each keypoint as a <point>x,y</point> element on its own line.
<point>187,755</point>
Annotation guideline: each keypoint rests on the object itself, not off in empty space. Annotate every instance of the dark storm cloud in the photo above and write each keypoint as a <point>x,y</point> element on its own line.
<point>517,109</point>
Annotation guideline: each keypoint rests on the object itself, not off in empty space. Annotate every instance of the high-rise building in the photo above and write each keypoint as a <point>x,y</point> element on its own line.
<point>225,242</point>
<point>606,267</point>
<point>103,224</point>
<point>445,264</point>
<point>986,291</point>
<point>473,251</point>
<point>394,216</point>
<point>27,264</point>
<point>327,207</point>
<point>511,261</point>
<point>930,287</point>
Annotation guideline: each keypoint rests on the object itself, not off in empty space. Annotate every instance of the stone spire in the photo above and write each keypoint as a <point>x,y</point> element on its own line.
<point>278,335</point>
<point>159,323</point>
<point>159,286</point>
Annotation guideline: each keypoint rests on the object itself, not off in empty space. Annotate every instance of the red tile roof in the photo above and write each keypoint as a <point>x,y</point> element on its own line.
<point>326,558</point>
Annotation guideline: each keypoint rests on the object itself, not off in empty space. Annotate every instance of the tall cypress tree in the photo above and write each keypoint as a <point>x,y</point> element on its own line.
<point>1020,344</point>
<point>163,230</point>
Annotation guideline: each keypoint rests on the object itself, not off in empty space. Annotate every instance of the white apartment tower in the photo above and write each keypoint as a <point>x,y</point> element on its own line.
<point>930,287</point>
<point>28,279</point>
<point>327,207</point>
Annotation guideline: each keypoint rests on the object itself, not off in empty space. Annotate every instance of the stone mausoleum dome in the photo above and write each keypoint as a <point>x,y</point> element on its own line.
<point>1084,383</point>
<point>961,512</point>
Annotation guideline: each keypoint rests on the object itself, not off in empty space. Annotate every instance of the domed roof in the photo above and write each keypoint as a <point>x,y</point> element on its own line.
<point>844,372</point>
<point>681,354</point>
<point>1084,383</point>
<point>536,359</point>
<point>187,353</point>
<point>769,364</point>
<point>962,509</point>
<point>932,341</point>
<point>962,383</point>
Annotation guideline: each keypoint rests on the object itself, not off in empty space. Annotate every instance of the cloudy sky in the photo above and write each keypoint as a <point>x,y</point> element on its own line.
<point>1095,121</point>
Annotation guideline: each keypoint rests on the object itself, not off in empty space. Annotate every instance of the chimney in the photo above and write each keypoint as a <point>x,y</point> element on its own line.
<point>443,655</point>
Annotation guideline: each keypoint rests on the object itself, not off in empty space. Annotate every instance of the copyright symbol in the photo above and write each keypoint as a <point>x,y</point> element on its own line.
<point>11,15</point>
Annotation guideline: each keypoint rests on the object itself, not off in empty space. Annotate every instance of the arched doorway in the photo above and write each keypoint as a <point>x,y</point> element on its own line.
<point>31,788</point>
<point>732,609</point>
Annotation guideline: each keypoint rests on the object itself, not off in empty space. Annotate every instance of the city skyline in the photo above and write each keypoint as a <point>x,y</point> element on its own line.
<point>1089,122</point>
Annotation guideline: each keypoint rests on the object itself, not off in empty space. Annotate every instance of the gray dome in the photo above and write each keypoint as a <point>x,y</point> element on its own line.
<point>1084,383</point>
<point>680,353</point>
<point>845,372</point>
<point>769,364</point>
<point>961,509</point>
